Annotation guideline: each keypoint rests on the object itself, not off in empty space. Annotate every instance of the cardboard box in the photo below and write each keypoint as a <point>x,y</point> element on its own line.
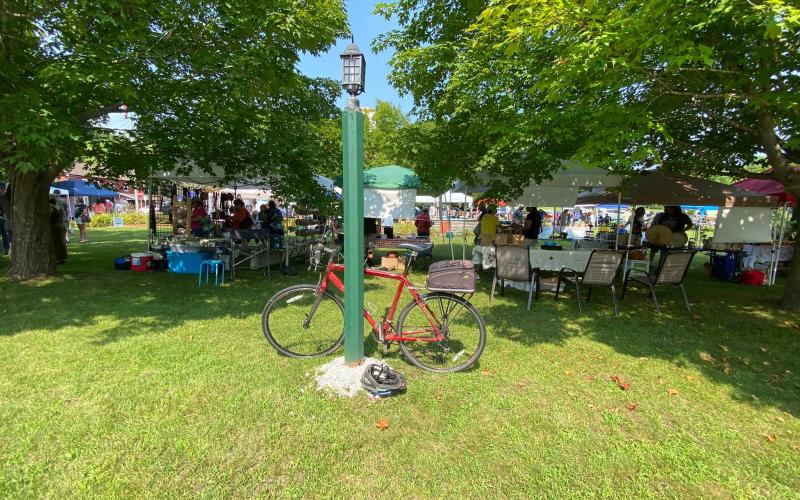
<point>502,239</point>
<point>487,240</point>
<point>393,263</point>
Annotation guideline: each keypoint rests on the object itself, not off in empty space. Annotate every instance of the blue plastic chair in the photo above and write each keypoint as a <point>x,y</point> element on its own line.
<point>211,265</point>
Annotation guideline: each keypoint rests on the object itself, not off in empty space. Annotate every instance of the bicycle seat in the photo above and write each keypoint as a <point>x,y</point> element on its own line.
<point>413,247</point>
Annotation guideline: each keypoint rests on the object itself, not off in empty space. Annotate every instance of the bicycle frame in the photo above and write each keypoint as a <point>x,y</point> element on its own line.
<point>330,277</point>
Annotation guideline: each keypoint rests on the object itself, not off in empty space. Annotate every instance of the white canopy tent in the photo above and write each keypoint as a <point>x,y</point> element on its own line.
<point>455,197</point>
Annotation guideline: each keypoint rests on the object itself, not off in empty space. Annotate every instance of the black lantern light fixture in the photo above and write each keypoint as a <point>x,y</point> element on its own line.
<point>354,69</point>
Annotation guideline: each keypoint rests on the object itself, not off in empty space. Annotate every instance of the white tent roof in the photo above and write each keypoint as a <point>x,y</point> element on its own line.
<point>423,200</point>
<point>455,197</point>
<point>216,179</point>
<point>561,190</point>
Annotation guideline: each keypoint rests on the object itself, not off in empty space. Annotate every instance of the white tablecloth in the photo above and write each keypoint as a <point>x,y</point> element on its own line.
<point>544,260</point>
<point>763,253</point>
<point>555,260</point>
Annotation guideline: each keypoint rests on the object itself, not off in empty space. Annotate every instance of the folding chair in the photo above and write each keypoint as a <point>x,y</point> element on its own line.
<point>601,270</point>
<point>513,264</point>
<point>671,271</point>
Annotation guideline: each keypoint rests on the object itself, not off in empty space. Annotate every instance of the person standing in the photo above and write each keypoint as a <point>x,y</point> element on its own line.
<point>423,224</point>
<point>636,221</point>
<point>532,228</point>
<point>58,232</point>
<point>489,222</point>
<point>82,219</point>
<point>388,226</point>
<point>199,213</point>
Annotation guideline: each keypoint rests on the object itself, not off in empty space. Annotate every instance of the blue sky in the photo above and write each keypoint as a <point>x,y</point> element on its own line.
<point>365,26</point>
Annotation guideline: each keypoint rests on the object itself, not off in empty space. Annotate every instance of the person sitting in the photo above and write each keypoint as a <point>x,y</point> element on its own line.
<point>423,224</point>
<point>532,227</point>
<point>489,223</point>
<point>241,217</point>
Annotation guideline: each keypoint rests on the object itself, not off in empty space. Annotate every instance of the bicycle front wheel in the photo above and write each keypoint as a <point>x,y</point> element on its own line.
<point>298,329</point>
<point>459,321</point>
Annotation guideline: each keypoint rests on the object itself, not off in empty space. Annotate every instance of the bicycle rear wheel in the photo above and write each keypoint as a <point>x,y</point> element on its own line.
<point>462,325</point>
<point>285,316</point>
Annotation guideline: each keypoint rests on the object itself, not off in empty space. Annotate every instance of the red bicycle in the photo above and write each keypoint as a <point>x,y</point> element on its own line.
<point>436,331</point>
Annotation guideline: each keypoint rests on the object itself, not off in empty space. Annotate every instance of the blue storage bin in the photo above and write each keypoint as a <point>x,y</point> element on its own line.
<point>187,262</point>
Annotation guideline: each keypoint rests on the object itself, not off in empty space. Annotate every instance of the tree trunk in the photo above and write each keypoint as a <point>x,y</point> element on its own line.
<point>791,296</point>
<point>31,246</point>
<point>790,177</point>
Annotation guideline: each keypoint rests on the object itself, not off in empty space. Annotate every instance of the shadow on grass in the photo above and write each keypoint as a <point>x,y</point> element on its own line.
<point>736,337</point>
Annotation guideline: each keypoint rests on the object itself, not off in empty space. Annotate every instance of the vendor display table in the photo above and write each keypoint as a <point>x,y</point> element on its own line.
<point>543,260</point>
<point>755,254</point>
<point>393,242</point>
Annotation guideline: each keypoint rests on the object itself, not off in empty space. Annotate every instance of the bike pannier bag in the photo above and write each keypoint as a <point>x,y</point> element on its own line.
<point>451,276</point>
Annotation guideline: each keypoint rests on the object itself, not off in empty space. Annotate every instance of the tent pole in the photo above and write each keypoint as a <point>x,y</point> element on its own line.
<point>777,251</point>
<point>630,235</point>
<point>619,216</point>
<point>464,236</point>
<point>439,209</point>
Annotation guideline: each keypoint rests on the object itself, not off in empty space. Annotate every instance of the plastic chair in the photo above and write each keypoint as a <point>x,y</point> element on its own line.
<point>601,270</point>
<point>211,265</point>
<point>671,271</point>
<point>513,264</point>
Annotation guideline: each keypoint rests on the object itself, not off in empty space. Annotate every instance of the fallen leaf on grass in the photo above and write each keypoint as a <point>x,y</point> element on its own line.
<point>632,406</point>
<point>672,392</point>
<point>727,370</point>
<point>763,349</point>
<point>691,378</point>
<point>771,437</point>
<point>620,383</point>
<point>588,379</point>
<point>707,357</point>
<point>521,385</point>
<point>796,446</point>
<point>382,424</point>
<point>486,373</point>
<point>569,373</point>
<point>661,381</point>
<point>724,348</point>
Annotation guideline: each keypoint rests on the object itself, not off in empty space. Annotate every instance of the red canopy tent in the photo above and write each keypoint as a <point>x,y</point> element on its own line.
<point>767,187</point>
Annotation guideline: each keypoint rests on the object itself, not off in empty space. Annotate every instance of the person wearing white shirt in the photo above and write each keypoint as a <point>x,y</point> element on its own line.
<point>388,226</point>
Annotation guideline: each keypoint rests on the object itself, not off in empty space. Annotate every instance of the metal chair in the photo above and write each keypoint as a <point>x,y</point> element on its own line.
<point>514,264</point>
<point>601,270</point>
<point>671,271</point>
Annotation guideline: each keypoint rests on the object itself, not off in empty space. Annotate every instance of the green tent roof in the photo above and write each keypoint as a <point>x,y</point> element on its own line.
<point>388,177</point>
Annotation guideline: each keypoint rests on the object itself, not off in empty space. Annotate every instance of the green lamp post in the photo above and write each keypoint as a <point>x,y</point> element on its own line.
<point>353,72</point>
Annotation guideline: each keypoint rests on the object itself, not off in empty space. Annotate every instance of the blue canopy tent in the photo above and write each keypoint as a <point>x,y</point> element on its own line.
<point>82,188</point>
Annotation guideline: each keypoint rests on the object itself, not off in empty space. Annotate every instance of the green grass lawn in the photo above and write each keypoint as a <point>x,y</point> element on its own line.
<point>125,384</point>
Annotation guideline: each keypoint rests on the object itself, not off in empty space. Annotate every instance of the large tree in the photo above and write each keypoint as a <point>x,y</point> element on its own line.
<point>699,86</point>
<point>211,83</point>
<point>380,130</point>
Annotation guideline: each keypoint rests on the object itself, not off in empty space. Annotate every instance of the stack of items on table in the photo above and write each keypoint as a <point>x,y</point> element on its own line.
<point>504,236</point>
